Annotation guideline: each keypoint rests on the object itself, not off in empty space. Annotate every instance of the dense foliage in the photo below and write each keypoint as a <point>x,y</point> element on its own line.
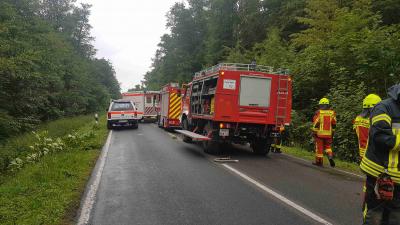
<point>343,49</point>
<point>47,64</point>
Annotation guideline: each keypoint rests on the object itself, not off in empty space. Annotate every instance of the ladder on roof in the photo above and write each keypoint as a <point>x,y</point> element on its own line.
<point>282,100</point>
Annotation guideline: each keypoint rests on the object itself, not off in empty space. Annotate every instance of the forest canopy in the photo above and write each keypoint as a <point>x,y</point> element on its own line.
<point>48,67</point>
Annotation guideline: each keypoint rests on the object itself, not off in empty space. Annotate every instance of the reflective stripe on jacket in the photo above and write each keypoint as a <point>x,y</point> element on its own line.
<point>361,125</point>
<point>324,122</point>
<point>384,141</point>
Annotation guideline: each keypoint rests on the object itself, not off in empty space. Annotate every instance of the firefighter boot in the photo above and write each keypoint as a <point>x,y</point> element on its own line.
<point>331,162</point>
<point>318,162</point>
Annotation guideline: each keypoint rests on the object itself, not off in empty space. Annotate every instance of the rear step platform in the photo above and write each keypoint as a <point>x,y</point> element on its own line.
<point>193,135</point>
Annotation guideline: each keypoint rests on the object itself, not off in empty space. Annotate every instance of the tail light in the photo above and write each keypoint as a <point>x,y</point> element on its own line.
<point>281,129</point>
<point>109,115</point>
<point>224,125</point>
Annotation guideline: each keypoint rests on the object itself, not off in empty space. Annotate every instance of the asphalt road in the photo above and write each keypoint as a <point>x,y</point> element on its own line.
<point>151,178</point>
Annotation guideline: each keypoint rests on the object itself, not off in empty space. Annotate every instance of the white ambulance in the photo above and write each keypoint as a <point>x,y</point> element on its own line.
<point>147,103</point>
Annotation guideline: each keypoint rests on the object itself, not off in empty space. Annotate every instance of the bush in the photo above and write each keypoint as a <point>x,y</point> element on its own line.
<point>20,147</point>
<point>46,145</point>
<point>346,99</point>
<point>8,126</point>
<point>299,131</point>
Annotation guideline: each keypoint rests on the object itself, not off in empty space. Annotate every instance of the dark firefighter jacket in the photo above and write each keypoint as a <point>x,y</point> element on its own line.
<point>384,138</point>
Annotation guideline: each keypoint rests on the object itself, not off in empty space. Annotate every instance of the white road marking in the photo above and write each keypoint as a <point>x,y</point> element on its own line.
<point>172,135</point>
<point>279,196</point>
<point>91,195</point>
<point>343,171</point>
<point>226,160</point>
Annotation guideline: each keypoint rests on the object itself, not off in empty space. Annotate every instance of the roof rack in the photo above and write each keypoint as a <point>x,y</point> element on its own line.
<point>172,84</point>
<point>241,67</point>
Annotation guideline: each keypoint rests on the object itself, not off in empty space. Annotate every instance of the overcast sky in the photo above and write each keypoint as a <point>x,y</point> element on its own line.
<point>127,33</point>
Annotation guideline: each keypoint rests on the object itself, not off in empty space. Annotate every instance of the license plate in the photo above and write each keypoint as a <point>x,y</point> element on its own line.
<point>275,134</point>
<point>123,121</point>
<point>224,132</point>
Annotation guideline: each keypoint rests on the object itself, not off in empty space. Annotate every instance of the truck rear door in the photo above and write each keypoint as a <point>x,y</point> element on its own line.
<point>150,105</point>
<point>254,98</point>
<point>255,91</point>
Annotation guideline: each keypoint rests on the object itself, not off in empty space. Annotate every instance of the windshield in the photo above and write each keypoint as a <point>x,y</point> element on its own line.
<point>122,106</point>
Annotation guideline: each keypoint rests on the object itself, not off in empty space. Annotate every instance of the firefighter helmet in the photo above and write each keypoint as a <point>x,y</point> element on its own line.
<point>371,100</point>
<point>324,101</point>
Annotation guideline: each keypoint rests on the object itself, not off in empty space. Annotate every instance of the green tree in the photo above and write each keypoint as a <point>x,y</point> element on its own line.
<point>221,24</point>
<point>46,72</point>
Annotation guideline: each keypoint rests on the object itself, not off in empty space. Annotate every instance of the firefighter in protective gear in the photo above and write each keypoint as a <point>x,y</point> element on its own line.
<point>361,125</point>
<point>277,143</point>
<point>381,162</point>
<point>361,122</point>
<point>324,123</point>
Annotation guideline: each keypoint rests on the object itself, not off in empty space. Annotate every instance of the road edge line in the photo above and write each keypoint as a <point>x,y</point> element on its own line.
<point>279,196</point>
<point>92,191</point>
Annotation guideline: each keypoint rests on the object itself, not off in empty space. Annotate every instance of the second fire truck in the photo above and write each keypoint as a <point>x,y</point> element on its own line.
<point>170,107</point>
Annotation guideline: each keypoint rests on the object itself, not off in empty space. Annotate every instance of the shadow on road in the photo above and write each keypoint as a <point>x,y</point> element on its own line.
<point>122,128</point>
<point>191,150</point>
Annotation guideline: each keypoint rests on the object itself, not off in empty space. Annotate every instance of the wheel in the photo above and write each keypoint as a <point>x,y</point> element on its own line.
<point>185,126</point>
<point>109,125</point>
<point>135,125</point>
<point>261,146</point>
<point>163,125</point>
<point>159,122</point>
<point>211,146</point>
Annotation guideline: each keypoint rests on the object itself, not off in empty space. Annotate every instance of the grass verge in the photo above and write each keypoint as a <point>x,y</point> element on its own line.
<point>19,146</point>
<point>304,154</point>
<point>49,191</point>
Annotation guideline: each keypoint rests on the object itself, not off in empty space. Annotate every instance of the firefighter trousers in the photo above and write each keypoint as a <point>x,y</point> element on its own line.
<point>321,145</point>
<point>276,145</point>
<point>378,212</point>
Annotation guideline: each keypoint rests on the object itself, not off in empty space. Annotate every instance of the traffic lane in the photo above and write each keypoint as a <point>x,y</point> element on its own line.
<point>335,195</point>
<point>150,178</point>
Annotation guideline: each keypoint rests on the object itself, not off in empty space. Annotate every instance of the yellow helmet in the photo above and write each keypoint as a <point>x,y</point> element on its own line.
<point>324,101</point>
<point>371,100</point>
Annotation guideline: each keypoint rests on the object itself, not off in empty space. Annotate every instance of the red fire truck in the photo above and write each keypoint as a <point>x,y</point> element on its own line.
<point>170,107</point>
<point>236,103</point>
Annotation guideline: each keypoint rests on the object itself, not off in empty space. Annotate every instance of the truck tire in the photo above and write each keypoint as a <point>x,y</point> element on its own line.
<point>109,125</point>
<point>185,126</point>
<point>261,146</point>
<point>135,125</point>
<point>159,122</point>
<point>211,146</point>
